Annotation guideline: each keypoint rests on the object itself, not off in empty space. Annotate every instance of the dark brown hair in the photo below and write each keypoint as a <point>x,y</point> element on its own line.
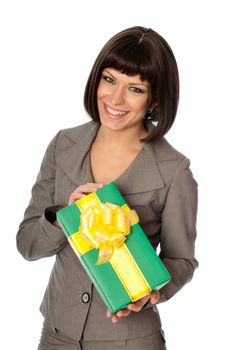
<point>140,51</point>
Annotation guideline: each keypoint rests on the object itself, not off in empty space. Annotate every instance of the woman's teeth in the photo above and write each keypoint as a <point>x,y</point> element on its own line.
<point>114,112</point>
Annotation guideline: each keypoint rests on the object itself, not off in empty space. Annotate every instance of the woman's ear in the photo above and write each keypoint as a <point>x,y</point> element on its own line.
<point>152,107</point>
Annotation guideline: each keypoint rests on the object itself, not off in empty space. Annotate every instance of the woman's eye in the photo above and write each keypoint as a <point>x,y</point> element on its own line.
<point>136,90</point>
<point>108,79</point>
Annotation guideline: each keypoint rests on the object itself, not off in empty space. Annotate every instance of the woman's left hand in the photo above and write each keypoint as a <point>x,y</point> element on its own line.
<point>134,307</point>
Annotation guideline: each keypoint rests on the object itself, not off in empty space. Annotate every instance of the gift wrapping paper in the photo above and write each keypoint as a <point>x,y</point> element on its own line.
<point>133,270</point>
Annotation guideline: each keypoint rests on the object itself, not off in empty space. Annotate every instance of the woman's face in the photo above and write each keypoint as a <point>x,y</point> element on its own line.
<point>122,100</point>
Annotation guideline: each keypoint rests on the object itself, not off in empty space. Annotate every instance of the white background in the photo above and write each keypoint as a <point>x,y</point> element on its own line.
<point>47,50</point>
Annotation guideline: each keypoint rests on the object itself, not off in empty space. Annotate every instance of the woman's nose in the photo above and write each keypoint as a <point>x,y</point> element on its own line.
<point>118,95</point>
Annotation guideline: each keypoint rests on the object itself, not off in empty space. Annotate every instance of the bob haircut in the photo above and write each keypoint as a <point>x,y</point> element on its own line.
<point>140,51</point>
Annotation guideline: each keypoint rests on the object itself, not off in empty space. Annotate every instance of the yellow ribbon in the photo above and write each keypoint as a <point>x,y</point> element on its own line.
<point>105,227</point>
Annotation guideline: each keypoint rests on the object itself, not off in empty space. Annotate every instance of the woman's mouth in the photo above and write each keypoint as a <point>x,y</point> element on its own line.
<point>114,113</point>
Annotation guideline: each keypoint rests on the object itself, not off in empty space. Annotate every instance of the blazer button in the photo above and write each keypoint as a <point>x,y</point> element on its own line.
<point>85,298</point>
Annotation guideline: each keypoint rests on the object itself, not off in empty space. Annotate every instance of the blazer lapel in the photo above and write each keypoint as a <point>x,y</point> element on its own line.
<point>73,160</point>
<point>142,175</point>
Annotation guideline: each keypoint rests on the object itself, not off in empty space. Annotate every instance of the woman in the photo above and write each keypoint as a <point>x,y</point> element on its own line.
<point>132,97</point>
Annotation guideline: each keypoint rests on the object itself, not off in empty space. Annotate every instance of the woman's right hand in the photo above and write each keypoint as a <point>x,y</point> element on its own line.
<point>82,190</point>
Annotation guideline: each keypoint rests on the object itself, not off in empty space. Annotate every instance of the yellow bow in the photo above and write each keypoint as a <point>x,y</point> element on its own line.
<point>105,227</point>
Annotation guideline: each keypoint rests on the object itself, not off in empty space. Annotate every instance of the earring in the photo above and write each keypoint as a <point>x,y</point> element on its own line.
<point>150,114</point>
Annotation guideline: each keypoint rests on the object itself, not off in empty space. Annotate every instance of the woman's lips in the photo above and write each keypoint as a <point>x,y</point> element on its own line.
<point>114,113</point>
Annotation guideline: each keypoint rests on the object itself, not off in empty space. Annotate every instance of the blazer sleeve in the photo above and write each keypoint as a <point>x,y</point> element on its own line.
<point>178,230</point>
<point>37,237</point>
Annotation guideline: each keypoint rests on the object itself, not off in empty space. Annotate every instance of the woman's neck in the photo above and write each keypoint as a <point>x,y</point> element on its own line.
<point>123,139</point>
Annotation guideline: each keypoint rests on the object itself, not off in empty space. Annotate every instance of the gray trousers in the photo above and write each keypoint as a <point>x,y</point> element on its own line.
<point>53,339</point>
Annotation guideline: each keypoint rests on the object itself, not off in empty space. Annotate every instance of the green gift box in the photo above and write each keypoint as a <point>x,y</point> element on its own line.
<point>133,270</point>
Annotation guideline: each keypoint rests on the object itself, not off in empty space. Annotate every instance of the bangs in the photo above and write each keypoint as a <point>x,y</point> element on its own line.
<point>131,60</point>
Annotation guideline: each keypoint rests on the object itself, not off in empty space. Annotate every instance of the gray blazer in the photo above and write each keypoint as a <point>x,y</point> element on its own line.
<point>158,185</point>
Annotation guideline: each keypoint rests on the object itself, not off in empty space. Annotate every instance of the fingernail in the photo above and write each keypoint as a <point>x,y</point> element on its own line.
<point>153,300</point>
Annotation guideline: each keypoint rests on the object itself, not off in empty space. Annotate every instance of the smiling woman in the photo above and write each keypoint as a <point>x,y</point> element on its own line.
<point>133,83</point>
<point>122,98</point>
<point>145,57</point>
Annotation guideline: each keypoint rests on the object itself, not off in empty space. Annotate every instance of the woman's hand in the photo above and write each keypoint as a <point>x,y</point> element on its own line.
<point>136,306</point>
<point>79,192</point>
<point>82,190</point>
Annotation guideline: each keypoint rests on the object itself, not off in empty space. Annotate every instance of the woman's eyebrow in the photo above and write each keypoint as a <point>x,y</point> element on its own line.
<point>105,70</point>
<point>144,84</point>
